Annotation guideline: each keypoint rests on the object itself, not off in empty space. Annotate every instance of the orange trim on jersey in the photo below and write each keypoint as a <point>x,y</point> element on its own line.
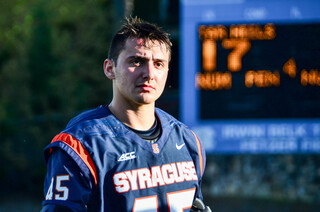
<point>76,145</point>
<point>200,152</point>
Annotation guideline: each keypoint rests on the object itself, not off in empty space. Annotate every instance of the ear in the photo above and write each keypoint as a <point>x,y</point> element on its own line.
<point>108,67</point>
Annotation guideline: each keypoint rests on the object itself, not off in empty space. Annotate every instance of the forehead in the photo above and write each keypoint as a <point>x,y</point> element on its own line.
<point>139,45</point>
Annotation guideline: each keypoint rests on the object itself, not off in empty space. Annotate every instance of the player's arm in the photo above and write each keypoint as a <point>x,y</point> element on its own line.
<point>55,208</point>
<point>66,187</point>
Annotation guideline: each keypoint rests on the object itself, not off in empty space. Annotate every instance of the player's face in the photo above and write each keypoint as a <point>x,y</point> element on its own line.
<point>141,71</point>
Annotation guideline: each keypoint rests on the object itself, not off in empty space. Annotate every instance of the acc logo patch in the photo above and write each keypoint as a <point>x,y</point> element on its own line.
<point>127,156</point>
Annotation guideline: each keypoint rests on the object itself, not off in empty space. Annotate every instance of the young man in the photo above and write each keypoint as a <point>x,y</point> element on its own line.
<point>128,155</point>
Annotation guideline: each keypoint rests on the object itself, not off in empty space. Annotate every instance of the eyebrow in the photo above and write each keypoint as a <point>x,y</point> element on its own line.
<point>144,58</point>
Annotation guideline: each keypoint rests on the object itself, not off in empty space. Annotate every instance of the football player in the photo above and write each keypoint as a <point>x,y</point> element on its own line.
<point>127,155</point>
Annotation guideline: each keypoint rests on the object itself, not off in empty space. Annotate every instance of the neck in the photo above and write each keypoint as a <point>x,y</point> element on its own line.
<point>139,117</point>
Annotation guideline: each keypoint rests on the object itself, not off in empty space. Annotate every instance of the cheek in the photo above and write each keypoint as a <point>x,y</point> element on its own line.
<point>162,79</point>
<point>124,78</point>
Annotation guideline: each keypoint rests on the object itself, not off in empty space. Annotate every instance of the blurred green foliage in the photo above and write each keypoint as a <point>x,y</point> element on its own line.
<point>51,57</point>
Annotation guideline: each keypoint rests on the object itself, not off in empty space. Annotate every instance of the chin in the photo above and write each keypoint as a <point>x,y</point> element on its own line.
<point>146,98</point>
<point>146,101</point>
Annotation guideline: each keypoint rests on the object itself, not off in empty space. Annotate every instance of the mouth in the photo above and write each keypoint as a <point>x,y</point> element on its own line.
<point>146,87</point>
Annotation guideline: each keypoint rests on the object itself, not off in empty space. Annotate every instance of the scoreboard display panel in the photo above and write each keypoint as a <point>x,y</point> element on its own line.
<point>251,75</point>
<point>259,71</point>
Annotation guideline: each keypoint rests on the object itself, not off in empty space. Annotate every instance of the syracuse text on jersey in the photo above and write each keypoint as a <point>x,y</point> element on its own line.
<point>156,176</point>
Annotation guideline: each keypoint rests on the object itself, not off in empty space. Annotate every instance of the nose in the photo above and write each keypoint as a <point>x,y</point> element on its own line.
<point>148,72</point>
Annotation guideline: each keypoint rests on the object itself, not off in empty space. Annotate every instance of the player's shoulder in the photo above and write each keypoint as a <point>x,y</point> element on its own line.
<point>168,120</point>
<point>97,121</point>
<point>81,130</point>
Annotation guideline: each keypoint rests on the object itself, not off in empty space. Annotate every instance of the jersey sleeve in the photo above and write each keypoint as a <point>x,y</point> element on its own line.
<point>65,183</point>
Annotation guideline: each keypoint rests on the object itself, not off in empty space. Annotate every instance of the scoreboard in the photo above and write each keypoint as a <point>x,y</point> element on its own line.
<point>259,71</point>
<point>250,77</point>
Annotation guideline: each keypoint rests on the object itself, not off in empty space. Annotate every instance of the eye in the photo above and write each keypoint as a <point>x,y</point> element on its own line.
<point>159,64</point>
<point>136,62</point>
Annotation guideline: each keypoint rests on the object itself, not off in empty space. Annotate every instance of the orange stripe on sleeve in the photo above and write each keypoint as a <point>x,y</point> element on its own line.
<point>200,152</point>
<point>76,145</point>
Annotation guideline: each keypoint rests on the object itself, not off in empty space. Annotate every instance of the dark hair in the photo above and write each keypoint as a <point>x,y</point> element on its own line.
<point>137,28</point>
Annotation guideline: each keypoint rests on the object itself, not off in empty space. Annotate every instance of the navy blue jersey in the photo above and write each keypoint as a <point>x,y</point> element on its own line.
<point>98,164</point>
